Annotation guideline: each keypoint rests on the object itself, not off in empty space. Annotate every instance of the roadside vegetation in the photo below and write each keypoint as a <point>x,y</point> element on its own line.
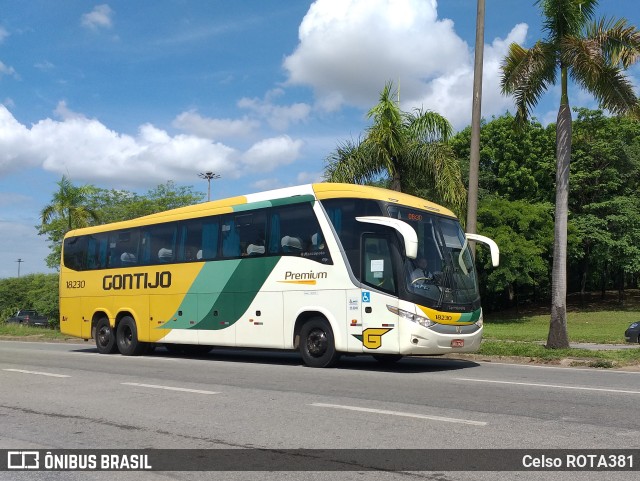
<point>523,333</point>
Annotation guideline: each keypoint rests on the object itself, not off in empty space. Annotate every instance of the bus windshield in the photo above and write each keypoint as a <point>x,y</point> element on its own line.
<point>443,274</point>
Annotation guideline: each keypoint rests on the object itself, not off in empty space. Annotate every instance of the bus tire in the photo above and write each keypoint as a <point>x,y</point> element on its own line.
<point>127,338</point>
<point>105,337</point>
<point>387,358</point>
<point>317,345</point>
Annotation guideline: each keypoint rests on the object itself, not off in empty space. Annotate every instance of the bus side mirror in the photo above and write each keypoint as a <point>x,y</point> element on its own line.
<point>407,232</point>
<point>495,250</point>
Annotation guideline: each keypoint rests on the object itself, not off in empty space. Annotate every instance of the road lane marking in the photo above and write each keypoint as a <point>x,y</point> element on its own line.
<point>403,414</point>
<point>558,386</point>
<point>37,373</point>
<point>169,388</point>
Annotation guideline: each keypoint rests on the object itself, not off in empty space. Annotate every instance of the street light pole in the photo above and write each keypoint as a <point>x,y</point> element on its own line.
<point>208,176</point>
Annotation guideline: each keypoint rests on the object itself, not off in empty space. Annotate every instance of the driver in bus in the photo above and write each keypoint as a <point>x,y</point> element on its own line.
<point>421,274</point>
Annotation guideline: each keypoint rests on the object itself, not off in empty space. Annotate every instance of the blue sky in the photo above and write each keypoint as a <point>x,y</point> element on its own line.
<point>129,95</point>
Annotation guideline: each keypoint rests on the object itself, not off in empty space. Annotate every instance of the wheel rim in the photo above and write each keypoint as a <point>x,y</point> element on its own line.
<point>127,336</point>
<point>104,336</point>
<point>317,342</point>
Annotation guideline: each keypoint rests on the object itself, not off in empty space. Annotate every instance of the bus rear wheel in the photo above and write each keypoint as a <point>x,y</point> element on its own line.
<point>317,345</point>
<point>127,338</point>
<point>105,337</point>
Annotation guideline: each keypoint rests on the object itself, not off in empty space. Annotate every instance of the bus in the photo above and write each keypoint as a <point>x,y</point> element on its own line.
<point>325,269</point>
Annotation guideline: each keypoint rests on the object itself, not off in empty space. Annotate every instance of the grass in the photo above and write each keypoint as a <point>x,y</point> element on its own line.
<point>537,352</point>
<point>35,333</point>
<point>599,321</point>
<point>601,327</point>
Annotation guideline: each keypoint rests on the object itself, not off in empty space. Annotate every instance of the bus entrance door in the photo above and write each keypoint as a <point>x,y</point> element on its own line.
<point>379,302</point>
<point>379,323</point>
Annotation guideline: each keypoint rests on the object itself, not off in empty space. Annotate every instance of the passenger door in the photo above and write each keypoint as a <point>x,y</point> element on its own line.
<point>378,296</point>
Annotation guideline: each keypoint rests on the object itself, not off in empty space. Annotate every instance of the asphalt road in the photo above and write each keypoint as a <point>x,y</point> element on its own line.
<point>67,396</point>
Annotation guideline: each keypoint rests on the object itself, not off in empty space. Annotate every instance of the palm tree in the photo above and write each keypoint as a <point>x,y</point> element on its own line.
<point>595,55</point>
<point>69,205</point>
<point>401,145</point>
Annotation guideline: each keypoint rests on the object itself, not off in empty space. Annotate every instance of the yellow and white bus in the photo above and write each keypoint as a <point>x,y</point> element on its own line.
<point>322,268</point>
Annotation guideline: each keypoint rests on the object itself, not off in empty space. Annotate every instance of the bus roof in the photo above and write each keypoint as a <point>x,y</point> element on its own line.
<point>295,194</point>
<point>330,191</point>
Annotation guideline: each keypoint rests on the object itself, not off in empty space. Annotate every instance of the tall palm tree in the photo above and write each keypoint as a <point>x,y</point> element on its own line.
<point>594,54</point>
<point>69,205</point>
<point>400,145</point>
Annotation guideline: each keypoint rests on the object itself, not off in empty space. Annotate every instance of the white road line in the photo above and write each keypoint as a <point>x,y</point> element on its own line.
<point>403,414</point>
<point>557,386</point>
<point>169,388</point>
<point>37,373</point>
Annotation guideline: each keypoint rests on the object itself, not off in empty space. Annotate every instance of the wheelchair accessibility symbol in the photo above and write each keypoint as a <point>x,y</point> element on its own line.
<point>366,296</point>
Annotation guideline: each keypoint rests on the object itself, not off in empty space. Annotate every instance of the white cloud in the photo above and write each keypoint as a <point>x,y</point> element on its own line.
<point>309,177</point>
<point>3,34</point>
<point>44,66</point>
<point>267,184</point>
<point>193,123</point>
<point>100,17</point>
<point>7,70</point>
<point>15,149</point>
<point>278,117</point>
<point>348,50</point>
<point>451,94</point>
<point>88,151</point>
<point>268,154</point>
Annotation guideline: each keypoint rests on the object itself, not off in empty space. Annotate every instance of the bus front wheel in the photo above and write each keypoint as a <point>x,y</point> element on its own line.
<point>105,337</point>
<point>317,345</point>
<point>127,338</point>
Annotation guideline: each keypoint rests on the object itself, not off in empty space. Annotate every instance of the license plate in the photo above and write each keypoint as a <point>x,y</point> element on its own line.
<point>457,343</point>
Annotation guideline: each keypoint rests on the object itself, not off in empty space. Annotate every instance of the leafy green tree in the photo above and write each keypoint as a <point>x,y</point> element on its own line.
<point>594,54</point>
<point>101,206</point>
<point>515,165</point>
<point>117,205</point>
<point>401,146</point>
<point>33,291</point>
<point>68,210</point>
<point>605,173</point>
<point>610,235</point>
<point>524,232</point>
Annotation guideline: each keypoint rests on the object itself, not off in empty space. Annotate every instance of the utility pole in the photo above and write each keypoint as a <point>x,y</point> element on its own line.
<point>19,261</point>
<point>474,159</point>
<point>208,176</point>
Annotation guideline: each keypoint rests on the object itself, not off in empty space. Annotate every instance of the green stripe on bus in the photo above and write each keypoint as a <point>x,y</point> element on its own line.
<point>223,291</point>
<point>470,316</point>
<point>262,204</point>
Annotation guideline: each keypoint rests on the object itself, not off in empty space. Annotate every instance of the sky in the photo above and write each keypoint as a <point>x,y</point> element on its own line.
<point>130,95</point>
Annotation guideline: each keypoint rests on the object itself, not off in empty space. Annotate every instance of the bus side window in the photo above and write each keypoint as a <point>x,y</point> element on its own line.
<point>159,243</point>
<point>251,231</point>
<point>209,242</point>
<point>377,264</point>
<point>295,231</point>
<point>97,246</point>
<point>74,253</point>
<point>123,248</point>
<point>230,237</point>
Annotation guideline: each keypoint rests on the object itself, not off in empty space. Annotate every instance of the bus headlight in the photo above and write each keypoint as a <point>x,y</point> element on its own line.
<point>480,321</point>
<point>423,321</point>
